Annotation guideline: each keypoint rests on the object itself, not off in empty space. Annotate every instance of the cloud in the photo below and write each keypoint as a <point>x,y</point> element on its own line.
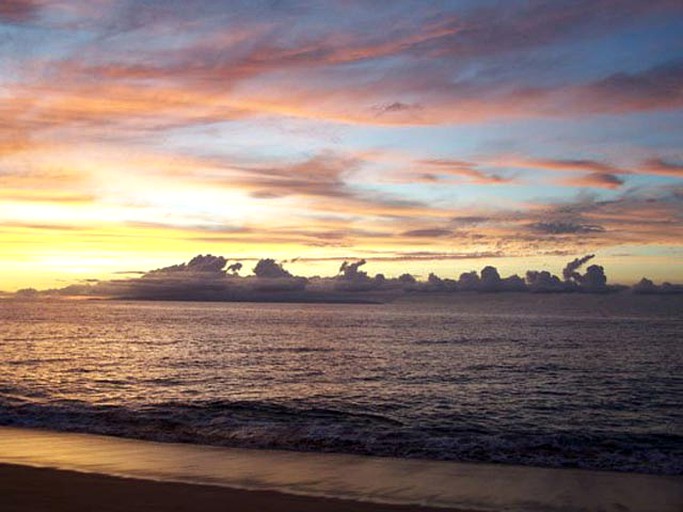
<point>445,167</point>
<point>19,11</point>
<point>380,256</point>
<point>594,278</point>
<point>203,278</point>
<point>574,165</point>
<point>470,219</point>
<point>420,231</point>
<point>597,174</point>
<point>217,65</point>
<point>351,279</point>
<point>234,268</point>
<point>489,281</point>
<point>270,269</point>
<point>565,228</point>
<point>276,70</point>
<point>637,216</point>
<point>305,66</point>
<point>427,233</point>
<point>654,88</point>
<point>45,196</point>
<point>595,180</point>
<point>662,167</point>
<point>508,27</point>
<point>570,271</point>
<point>325,179</point>
<point>647,287</point>
<point>350,270</point>
<point>395,107</point>
<point>320,176</point>
<point>204,264</point>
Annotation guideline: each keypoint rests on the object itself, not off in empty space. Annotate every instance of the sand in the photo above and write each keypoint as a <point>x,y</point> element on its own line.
<point>27,489</point>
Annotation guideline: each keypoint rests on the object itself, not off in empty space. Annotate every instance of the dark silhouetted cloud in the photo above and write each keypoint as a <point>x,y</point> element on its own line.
<point>350,270</point>
<point>570,271</point>
<point>203,279</point>
<point>352,279</point>
<point>208,263</point>
<point>234,268</point>
<point>544,282</point>
<point>490,279</point>
<point>270,269</point>
<point>565,228</point>
<point>647,287</point>
<point>594,278</point>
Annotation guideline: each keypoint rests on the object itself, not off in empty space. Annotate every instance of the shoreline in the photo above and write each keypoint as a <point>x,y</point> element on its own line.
<point>372,481</point>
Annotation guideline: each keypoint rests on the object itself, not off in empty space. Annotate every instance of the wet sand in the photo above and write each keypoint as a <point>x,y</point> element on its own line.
<point>27,489</point>
<point>55,471</point>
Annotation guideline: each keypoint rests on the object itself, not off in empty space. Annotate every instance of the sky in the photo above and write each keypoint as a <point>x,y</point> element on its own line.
<point>435,136</point>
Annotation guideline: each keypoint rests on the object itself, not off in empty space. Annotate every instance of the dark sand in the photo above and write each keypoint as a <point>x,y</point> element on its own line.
<point>28,489</point>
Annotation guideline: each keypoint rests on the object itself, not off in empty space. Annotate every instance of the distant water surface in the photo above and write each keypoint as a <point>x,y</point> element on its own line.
<point>547,380</point>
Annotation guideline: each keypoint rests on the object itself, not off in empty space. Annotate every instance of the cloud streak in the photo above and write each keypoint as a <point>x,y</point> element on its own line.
<point>212,75</point>
<point>19,11</point>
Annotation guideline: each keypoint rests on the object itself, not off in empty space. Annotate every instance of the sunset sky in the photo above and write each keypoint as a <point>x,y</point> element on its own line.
<point>422,135</point>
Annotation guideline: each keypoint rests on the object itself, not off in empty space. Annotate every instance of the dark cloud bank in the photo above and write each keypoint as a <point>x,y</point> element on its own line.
<point>214,278</point>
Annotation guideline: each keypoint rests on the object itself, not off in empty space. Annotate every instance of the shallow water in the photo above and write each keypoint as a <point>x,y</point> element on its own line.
<point>459,486</point>
<point>562,381</point>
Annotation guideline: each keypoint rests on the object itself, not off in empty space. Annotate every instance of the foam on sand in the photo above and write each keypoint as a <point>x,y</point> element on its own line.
<point>483,487</point>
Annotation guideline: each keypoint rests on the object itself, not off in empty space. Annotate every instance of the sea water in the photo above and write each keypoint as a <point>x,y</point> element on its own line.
<point>580,381</point>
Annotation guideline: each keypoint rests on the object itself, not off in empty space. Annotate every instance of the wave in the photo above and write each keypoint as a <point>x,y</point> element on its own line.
<point>302,427</point>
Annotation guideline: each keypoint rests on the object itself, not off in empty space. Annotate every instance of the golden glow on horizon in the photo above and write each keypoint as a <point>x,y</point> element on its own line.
<point>42,258</point>
<point>102,211</point>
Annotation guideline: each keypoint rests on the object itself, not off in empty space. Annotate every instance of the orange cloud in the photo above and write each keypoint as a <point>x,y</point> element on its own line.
<point>661,167</point>
<point>595,180</point>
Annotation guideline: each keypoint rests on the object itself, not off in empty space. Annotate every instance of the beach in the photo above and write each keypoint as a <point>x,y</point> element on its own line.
<point>28,489</point>
<point>45,470</point>
<point>341,255</point>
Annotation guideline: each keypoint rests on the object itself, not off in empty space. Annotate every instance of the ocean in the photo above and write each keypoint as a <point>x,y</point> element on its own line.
<point>567,380</point>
